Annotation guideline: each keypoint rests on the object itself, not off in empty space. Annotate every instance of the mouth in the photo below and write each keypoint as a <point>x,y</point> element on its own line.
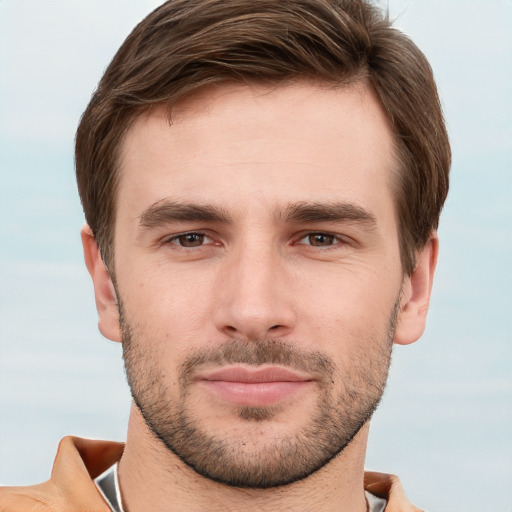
<point>254,387</point>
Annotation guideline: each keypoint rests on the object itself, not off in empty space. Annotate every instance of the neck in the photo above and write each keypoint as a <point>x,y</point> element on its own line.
<point>153,478</point>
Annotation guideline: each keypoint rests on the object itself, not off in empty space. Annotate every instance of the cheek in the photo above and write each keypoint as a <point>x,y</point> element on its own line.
<point>354,291</point>
<point>348,310</point>
<point>169,304</point>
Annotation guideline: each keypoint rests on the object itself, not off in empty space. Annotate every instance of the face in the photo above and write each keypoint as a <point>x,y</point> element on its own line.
<point>258,275</point>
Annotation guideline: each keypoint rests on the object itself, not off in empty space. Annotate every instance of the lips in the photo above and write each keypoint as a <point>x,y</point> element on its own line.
<point>254,387</point>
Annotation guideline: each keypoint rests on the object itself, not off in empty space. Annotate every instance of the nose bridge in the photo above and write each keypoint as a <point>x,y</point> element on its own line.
<point>254,303</point>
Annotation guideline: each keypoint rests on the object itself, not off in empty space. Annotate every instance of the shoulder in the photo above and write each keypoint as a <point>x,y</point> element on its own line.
<point>34,498</point>
<point>71,487</point>
<point>388,486</point>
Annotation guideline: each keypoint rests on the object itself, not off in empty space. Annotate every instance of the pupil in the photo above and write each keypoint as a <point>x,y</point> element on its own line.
<point>321,239</point>
<point>191,240</point>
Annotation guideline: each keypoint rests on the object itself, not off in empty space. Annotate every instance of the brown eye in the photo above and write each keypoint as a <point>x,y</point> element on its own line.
<point>320,239</point>
<point>189,240</point>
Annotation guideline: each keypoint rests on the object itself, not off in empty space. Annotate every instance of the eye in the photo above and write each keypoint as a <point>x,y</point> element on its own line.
<point>320,240</point>
<point>190,240</point>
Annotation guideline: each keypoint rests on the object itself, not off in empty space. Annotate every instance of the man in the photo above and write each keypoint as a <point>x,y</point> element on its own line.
<point>262,183</point>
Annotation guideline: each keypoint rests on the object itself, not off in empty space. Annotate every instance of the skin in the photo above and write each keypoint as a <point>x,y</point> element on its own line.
<point>259,273</point>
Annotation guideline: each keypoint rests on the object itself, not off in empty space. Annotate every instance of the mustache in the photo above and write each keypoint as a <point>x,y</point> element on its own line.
<point>258,353</point>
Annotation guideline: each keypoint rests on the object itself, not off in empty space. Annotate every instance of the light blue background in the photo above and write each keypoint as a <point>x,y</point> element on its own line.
<point>445,425</point>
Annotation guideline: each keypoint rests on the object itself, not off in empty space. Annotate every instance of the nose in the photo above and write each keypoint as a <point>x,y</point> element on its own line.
<point>255,299</point>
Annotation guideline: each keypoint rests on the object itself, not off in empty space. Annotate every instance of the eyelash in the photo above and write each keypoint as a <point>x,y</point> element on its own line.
<point>337,241</point>
<point>175,238</point>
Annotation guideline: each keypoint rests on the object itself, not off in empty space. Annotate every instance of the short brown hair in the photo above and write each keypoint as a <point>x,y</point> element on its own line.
<point>186,44</point>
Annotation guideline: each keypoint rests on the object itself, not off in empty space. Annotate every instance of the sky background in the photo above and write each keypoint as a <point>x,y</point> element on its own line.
<point>445,424</point>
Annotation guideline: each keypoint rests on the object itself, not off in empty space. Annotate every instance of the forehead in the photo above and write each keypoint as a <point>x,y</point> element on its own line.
<point>290,143</point>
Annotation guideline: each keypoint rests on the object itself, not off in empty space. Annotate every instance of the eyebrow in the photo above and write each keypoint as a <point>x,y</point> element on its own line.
<point>324,212</point>
<point>166,212</point>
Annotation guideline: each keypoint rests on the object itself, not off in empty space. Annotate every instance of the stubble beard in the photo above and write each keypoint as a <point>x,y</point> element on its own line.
<point>347,398</point>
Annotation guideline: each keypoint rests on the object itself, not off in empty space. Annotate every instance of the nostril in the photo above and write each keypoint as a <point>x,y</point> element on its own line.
<point>275,327</point>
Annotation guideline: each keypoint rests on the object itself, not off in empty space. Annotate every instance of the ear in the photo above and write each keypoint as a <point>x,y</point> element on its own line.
<point>104,291</point>
<point>416,294</point>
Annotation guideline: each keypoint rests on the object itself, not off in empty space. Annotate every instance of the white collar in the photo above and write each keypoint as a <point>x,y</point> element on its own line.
<point>108,485</point>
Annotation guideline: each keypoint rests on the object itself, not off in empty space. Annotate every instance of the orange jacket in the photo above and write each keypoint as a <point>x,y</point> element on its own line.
<point>79,461</point>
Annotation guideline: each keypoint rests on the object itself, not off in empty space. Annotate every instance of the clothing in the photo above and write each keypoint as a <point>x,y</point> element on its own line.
<point>79,461</point>
<point>108,485</point>
<point>375,504</point>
